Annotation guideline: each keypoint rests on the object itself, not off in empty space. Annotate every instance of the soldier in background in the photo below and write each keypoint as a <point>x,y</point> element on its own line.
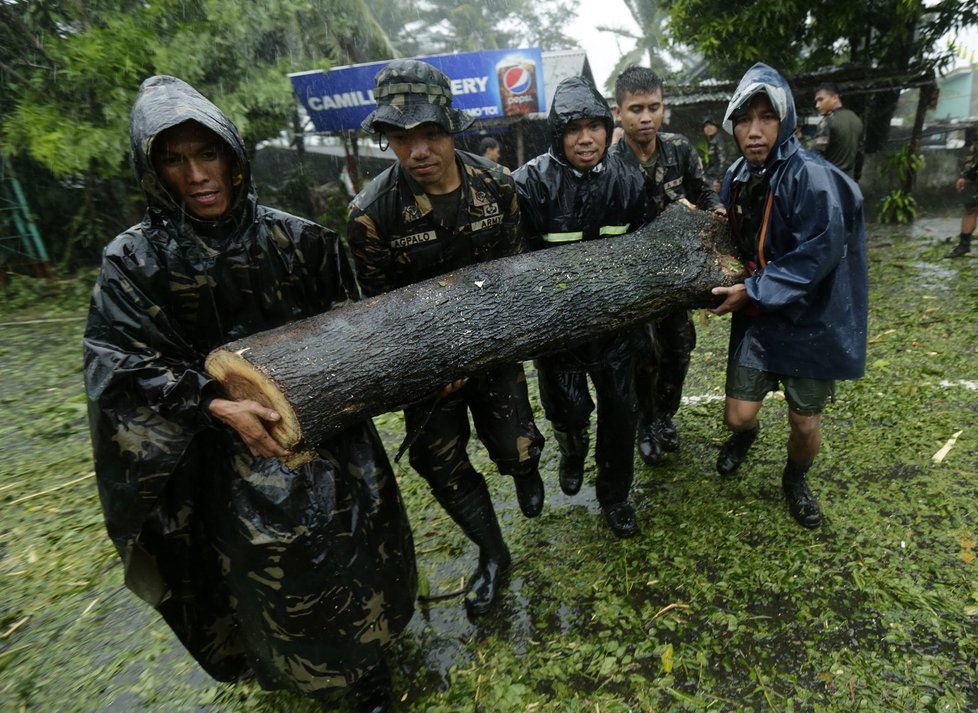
<point>302,576</point>
<point>672,172</point>
<point>839,137</point>
<point>490,149</point>
<point>716,154</point>
<point>967,183</point>
<point>439,209</point>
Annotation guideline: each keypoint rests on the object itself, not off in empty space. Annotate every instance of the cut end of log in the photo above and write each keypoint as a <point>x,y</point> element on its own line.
<point>241,381</point>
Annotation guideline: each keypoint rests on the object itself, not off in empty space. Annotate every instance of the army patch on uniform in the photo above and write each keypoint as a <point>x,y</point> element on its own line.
<point>416,239</point>
<point>486,223</point>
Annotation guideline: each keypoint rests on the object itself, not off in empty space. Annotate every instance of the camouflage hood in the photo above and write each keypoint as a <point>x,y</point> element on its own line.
<point>162,103</point>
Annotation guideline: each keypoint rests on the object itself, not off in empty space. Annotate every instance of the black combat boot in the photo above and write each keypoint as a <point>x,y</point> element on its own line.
<point>668,433</point>
<point>733,452</point>
<point>962,248</point>
<point>474,513</point>
<point>802,504</point>
<point>529,492</point>
<point>621,519</point>
<point>371,693</point>
<point>573,452</point>
<point>650,448</point>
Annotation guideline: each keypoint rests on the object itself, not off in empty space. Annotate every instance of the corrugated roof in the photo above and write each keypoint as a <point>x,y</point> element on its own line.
<point>852,79</point>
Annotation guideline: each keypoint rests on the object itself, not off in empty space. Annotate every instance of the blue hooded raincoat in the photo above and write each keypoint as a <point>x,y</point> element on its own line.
<point>811,287</point>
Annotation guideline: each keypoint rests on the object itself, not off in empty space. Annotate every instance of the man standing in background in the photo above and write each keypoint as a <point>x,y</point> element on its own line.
<point>967,183</point>
<point>716,153</point>
<point>840,132</point>
<point>490,149</point>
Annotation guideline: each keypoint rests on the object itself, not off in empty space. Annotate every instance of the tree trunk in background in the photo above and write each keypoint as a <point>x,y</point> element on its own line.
<point>382,353</point>
<point>924,96</point>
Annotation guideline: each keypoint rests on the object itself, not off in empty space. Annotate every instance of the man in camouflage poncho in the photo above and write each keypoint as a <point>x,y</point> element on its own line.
<point>302,576</point>
<point>673,172</point>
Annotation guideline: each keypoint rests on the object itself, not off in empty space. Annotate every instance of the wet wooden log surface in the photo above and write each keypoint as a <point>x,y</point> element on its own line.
<point>377,355</point>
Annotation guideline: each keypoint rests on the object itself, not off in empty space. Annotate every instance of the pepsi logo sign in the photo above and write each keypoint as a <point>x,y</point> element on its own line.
<point>517,80</point>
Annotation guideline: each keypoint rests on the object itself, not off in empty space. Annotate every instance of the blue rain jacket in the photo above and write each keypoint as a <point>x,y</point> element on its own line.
<point>812,294</point>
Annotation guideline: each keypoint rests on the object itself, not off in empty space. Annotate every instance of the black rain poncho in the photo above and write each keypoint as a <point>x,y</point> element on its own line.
<point>303,576</point>
<point>560,204</point>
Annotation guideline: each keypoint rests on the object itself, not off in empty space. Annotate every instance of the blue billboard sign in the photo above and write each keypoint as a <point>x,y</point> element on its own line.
<point>490,84</point>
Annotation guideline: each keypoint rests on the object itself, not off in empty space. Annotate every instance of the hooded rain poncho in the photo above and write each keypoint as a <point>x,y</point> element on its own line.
<point>303,576</point>
<point>810,291</point>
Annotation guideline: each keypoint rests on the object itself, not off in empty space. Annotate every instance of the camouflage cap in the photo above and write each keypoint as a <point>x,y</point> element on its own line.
<point>409,93</point>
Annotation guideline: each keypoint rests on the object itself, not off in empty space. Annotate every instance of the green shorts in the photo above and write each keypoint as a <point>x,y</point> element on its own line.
<point>806,397</point>
<point>970,194</point>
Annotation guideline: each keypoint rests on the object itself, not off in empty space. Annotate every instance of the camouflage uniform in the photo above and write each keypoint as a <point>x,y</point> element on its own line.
<point>400,235</point>
<point>716,159</point>
<point>660,369</point>
<point>678,173</point>
<point>970,173</point>
<point>302,576</point>
<point>396,241</point>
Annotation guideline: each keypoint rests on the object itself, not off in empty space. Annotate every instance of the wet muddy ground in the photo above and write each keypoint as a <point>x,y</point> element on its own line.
<point>721,601</point>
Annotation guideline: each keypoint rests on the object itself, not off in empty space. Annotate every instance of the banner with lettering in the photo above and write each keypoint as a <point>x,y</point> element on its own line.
<point>488,84</point>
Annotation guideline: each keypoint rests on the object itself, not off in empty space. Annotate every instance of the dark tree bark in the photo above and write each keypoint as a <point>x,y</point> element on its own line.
<point>377,355</point>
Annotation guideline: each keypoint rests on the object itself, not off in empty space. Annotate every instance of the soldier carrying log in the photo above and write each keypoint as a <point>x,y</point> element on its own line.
<point>301,576</point>
<point>435,210</point>
<point>672,172</point>
<point>575,192</point>
<point>799,318</point>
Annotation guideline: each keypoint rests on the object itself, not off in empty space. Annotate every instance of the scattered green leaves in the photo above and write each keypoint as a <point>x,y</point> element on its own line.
<point>721,602</point>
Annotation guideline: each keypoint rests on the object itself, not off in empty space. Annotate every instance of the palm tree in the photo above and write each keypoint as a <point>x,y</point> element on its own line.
<point>652,43</point>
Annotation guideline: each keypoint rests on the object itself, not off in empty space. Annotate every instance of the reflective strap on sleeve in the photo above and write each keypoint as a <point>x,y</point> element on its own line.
<point>562,237</point>
<point>613,230</point>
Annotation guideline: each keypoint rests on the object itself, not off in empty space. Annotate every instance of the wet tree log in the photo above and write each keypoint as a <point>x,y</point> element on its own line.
<point>326,372</point>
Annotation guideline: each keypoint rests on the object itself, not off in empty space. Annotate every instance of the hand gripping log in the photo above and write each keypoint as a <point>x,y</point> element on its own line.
<point>377,355</point>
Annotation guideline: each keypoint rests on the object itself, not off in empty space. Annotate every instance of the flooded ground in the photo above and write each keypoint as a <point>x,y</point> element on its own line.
<point>721,601</point>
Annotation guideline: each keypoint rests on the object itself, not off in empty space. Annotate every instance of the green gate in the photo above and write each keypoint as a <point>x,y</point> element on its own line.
<point>21,247</point>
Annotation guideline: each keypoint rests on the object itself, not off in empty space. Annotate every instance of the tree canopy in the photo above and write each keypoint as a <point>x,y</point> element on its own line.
<point>443,26</point>
<point>85,60</point>
<point>70,71</point>
<point>795,36</point>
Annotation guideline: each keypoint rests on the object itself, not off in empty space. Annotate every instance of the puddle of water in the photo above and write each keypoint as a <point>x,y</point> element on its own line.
<point>933,276</point>
<point>929,229</point>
